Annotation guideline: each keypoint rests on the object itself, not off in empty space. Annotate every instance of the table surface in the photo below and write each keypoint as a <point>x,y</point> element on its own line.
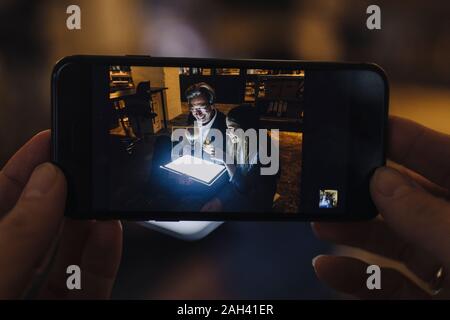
<point>239,260</point>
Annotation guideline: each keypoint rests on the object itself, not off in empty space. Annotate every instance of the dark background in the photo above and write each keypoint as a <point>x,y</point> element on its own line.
<point>239,260</point>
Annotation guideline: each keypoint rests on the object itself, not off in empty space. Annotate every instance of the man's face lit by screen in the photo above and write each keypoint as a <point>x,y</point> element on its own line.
<point>201,109</point>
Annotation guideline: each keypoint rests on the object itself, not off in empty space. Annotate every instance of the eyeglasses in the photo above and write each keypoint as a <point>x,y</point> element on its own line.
<point>201,108</point>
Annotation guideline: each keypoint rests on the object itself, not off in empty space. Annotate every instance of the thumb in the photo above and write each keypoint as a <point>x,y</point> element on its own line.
<point>419,217</point>
<point>27,231</point>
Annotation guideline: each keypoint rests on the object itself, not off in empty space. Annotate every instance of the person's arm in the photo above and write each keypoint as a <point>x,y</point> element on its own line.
<point>245,182</point>
<point>414,223</point>
<point>250,190</point>
<point>229,197</point>
<point>32,201</point>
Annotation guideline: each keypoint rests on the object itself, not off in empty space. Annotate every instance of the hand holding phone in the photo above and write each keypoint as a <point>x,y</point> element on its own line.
<point>414,203</point>
<point>32,201</point>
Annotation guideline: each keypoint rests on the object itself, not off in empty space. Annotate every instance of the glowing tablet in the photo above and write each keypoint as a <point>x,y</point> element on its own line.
<point>198,169</point>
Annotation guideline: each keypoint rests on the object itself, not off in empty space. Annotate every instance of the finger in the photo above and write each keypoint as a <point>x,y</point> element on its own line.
<point>423,182</point>
<point>376,237</point>
<point>27,231</point>
<point>417,216</point>
<point>18,169</point>
<point>97,251</point>
<point>69,252</point>
<point>350,276</point>
<point>421,149</point>
<point>101,259</point>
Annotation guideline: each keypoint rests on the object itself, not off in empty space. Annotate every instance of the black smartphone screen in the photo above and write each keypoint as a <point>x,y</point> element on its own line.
<point>199,139</point>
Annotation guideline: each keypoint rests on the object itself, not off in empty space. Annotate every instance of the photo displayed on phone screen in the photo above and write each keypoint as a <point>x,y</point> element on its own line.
<point>206,139</point>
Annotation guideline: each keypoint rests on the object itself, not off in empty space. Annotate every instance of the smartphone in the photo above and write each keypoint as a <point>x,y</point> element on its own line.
<point>176,139</point>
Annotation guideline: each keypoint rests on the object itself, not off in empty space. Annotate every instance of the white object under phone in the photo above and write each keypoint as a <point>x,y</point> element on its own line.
<point>185,230</point>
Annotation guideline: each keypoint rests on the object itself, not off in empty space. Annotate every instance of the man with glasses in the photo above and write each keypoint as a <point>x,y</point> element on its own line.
<point>204,116</point>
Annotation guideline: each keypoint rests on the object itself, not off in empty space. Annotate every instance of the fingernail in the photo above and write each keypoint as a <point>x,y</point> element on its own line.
<point>41,181</point>
<point>315,259</point>
<point>388,181</point>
